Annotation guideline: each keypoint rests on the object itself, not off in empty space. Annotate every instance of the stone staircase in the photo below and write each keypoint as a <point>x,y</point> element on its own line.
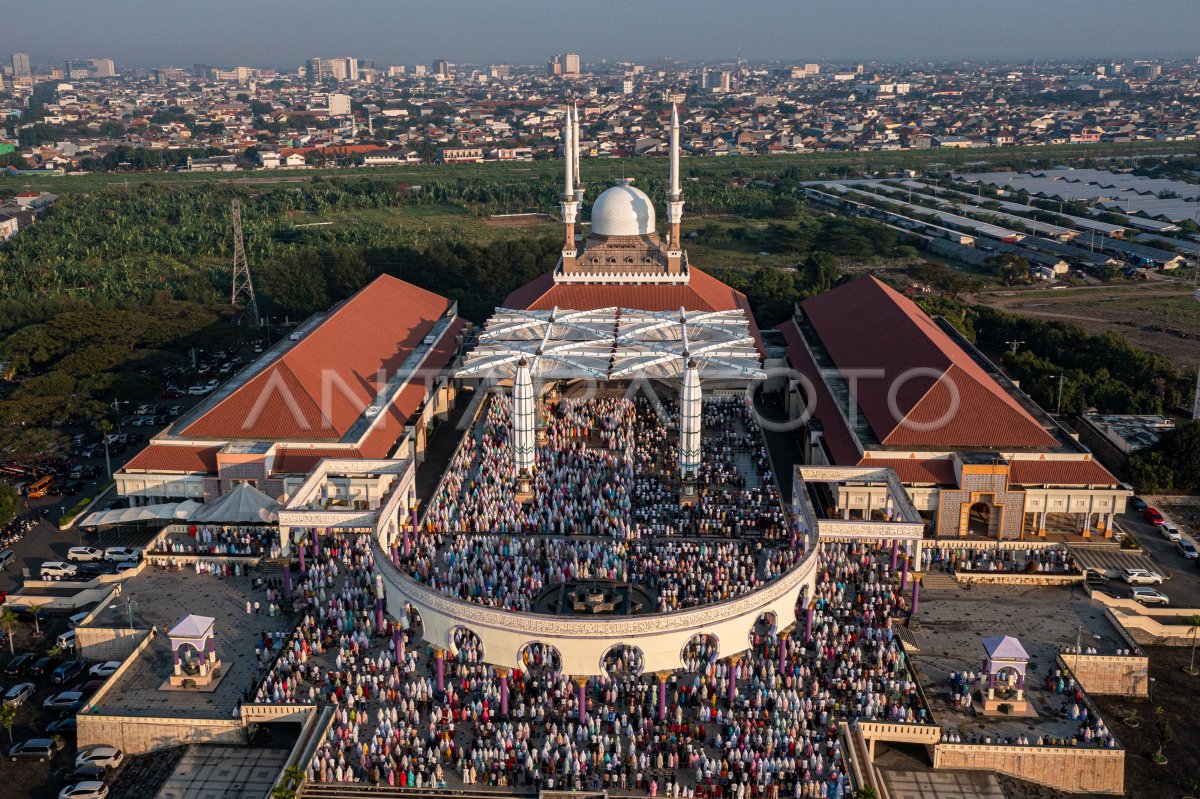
<point>938,581</point>
<point>906,637</point>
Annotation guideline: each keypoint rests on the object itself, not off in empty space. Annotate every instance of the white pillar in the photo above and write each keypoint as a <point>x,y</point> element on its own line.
<point>689,421</point>
<point>524,420</point>
<point>285,541</point>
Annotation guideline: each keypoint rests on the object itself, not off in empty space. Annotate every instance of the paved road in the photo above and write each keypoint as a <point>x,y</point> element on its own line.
<point>1183,583</point>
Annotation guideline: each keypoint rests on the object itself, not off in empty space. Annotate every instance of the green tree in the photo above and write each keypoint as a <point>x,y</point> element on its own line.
<point>8,717</point>
<point>1193,623</point>
<point>8,621</point>
<point>10,500</point>
<point>36,612</point>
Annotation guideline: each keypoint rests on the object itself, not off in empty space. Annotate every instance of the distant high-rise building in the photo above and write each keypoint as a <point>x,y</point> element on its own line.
<point>339,105</point>
<point>103,67</point>
<point>715,80</point>
<point>565,64</point>
<point>500,71</point>
<point>419,70</point>
<point>441,68</point>
<point>627,86</point>
<point>396,71</point>
<point>20,65</point>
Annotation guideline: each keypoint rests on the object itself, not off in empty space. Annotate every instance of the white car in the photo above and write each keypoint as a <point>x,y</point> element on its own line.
<point>1141,577</point>
<point>1149,596</point>
<point>65,640</point>
<point>1169,531</point>
<point>106,756</point>
<point>122,553</point>
<point>84,554</point>
<point>56,569</point>
<point>19,693</point>
<point>91,789</point>
<point>198,390</point>
<point>105,670</point>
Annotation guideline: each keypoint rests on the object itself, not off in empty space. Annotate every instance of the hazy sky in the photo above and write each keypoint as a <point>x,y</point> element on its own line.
<point>282,33</point>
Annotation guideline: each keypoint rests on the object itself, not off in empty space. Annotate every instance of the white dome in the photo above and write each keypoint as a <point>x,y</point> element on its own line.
<point>623,211</point>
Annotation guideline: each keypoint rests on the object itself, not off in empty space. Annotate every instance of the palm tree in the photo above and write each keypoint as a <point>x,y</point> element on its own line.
<point>1193,623</point>
<point>36,610</point>
<point>8,717</point>
<point>8,620</point>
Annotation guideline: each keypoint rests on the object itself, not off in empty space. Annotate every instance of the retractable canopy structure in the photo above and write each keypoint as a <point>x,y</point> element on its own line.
<point>615,344</point>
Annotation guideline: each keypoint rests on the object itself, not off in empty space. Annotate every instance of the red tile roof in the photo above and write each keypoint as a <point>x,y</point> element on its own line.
<point>1060,472</point>
<point>934,471</point>
<point>301,460</point>
<point>867,325</point>
<point>169,458</point>
<point>703,292</point>
<point>319,387</point>
<point>835,431</point>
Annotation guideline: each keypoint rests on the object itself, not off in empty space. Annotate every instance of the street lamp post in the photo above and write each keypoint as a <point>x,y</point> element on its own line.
<point>1058,405</point>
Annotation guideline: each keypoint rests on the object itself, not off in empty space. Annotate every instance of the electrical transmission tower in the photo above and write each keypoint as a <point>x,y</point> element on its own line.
<point>242,285</point>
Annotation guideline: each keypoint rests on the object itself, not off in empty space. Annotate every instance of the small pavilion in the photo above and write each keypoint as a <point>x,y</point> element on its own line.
<point>194,650</point>
<point>1005,663</point>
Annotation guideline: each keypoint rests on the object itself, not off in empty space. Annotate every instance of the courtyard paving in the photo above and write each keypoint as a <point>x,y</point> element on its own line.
<point>160,599</point>
<point>952,623</point>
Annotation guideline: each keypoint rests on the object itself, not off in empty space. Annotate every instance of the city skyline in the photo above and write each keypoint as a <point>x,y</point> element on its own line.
<point>530,30</point>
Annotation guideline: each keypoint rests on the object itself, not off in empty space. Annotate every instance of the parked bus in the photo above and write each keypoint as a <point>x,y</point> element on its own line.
<point>38,488</point>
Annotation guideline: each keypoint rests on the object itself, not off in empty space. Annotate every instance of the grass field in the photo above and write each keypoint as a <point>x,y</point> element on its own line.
<point>1159,316</point>
<point>810,165</point>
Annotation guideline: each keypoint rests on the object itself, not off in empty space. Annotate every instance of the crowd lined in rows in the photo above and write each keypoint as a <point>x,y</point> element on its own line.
<point>765,725</point>
<point>609,466</point>
<point>978,559</point>
<point>257,541</point>
<point>512,572</point>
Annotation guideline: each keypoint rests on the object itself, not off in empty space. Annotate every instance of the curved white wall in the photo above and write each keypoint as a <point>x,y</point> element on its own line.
<point>582,643</point>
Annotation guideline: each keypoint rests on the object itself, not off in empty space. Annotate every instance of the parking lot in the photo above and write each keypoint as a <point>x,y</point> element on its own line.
<point>1182,583</point>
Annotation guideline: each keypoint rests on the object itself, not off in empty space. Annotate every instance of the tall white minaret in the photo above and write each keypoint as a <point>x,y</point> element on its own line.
<point>674,200</point>
<point>578,172</point>
<point>569,202</point>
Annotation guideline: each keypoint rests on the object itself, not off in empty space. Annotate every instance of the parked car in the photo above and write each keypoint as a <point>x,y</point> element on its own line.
<point>19,694</point>
<point>44,666</point>
<point>84,554</point>
<point>66,640</point>
<point>83,472</point>
<point>125,565</point>
<point>67,725</point>
<point>67,670</point>
<point>198,390</point>
<point>40,749</point>
<point>1169,531</point>
<point>57,570</point>
<point>1153,516</point>
<point>1095,577</point>
<point>65,701</point>
<point>86,773</point>
<point>106,669</point>
<point>89,789</point>
<point>20,664</point>
<point>77,619</point>
<point>122,553</point>
<point>1141,577</point>
<point>6,558</point>
<point>1137,505</point>
<point>1150,596</point>
<point>106,756</point>
<point>1187,549</point>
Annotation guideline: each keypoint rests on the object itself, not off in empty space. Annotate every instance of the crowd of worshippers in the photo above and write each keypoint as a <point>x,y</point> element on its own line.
<point>609,466</point>
<point>257,541</point>
<point>763,725</point>
<point>1091,730</point>
<point>1027,560</point>
<point>511,572</point>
